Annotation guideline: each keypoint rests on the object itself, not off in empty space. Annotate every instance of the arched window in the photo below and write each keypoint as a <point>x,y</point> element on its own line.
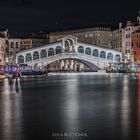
<point>58,50</point>
<point>20,59</point>
<point>35,55</point>
<point>28,57</point>
<point>117,58</point>
<point>50,51</point>
<point>88,51</point>
<point>95,52</point>
<point>80,49</point>
<point>102,54</point>
<point>12,45</point>
<point>110,56</point>
<point>43,53</point>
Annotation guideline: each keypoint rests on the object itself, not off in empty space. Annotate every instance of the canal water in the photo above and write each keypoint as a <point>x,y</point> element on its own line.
<point>71,107</point>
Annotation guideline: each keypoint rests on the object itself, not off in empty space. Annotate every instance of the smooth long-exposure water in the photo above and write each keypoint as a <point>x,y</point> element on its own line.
<point>71,107</point>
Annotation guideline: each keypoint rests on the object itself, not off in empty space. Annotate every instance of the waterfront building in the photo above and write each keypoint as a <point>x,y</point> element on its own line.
<point>36,42</point>
<point>97,35</point>
<point>19,44</point>
<point>39,39</point>
<point>2,51</point>
<point>118,40</point>
<point>25,44</point>
<point>3,46</point>
<point>13,48</point>
<point>136,46</point>
<point>129,29</point>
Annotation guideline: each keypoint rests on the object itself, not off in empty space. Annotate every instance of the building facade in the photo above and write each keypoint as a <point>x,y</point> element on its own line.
<point>98,35</point>
<point>14,47</point>
<point>3,46</point>
<point>118,40</point>
<point>2,51</point>
<point>129,29</point>
<point>25,44</point>
<point>136,46</point>
<point>36,42</point>
<point>38,39</point>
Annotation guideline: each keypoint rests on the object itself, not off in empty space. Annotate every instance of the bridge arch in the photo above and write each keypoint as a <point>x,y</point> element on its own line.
<point>95,53</point>
<point>71,41</point>
<point>43,53</point>
<point>35,55</point>
<point>58,50</point>
<point>69,45</point>
<point>51,51</point>
<point>21,59</point>
<point>117,58</point>
<point>80,49</point>
<point>88,51</point>
<point>102,54</point>
<point>28,57</point>
<point>110,56</point>
<point>92,66</point>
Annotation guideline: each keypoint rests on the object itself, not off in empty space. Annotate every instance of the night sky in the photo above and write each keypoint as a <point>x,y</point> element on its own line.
<point>25,16</point>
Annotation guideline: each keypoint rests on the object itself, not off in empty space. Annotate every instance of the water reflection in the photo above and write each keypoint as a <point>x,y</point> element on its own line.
<point>71,106</point>
<point>125,106</point>
<point>138,104</point>
<point>104,106</point>
<point>10,110</point>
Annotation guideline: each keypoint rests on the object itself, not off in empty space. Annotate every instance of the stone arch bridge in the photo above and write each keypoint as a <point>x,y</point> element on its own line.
<point>69,47</point>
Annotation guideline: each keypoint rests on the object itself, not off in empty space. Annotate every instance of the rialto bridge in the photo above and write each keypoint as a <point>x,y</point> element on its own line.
<point>66,51</point>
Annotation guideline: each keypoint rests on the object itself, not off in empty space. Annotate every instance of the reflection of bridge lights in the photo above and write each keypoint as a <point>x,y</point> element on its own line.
<point>71,109</point>
<point>6,87</point>
<point>125,106</point>
<point>15,86</point>
<point>11,112</point>
<point>19,86</point>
